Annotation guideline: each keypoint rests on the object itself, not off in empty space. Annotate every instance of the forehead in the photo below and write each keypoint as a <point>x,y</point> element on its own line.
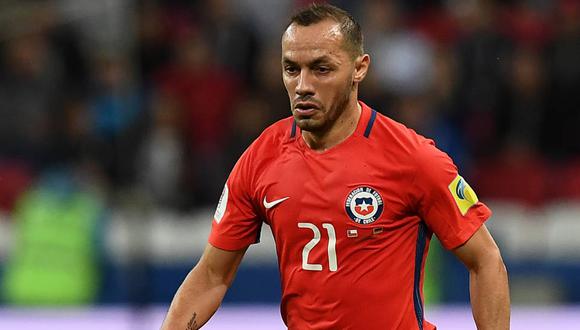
<point>322,38</point>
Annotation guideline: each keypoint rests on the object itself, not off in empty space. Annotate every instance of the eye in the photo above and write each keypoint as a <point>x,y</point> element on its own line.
<point>322,69</point>
<point>289,69</point>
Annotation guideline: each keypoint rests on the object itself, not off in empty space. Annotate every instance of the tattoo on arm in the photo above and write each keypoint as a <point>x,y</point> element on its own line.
<point>192,324</point>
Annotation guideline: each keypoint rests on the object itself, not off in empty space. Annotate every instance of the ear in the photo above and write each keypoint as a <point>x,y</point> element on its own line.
<point>361,67</point>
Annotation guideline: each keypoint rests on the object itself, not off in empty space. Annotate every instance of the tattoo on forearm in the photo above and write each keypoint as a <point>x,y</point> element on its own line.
<point>192,324</point>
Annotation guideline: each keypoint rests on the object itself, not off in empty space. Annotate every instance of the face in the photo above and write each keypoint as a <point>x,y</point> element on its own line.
<point>319,73</point>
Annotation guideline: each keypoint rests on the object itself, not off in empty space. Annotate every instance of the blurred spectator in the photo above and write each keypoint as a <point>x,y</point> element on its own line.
<point>521,109</point>
<point>563,118</point>
<point>115,115</point>
<point>103,24</point>
<point>518,176</point>
<point>526,23</point>
<point>153,39</point>
<point>15,177</point>
<point>55,257</point>
<point>234,42</point>
<point>75,139</point>
<point>482,53</point>
<point>381,20</point>
<point>402,59</point>
<point>436,23</point>
<point>268,17</point>
<point>248,120</point>
<point>270,86</point>
<point>29,86</point>
<point>403,63</point>
<point>162,155</point>
<point>206,93</point>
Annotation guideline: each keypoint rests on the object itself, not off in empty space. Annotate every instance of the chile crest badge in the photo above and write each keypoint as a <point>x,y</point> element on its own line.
<point>364,205</point>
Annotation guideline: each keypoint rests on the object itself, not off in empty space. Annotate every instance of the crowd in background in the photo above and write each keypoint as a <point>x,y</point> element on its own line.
<point>155,100</point>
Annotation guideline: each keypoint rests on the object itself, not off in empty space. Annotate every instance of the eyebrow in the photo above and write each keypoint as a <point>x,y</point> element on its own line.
<point>316,61</point>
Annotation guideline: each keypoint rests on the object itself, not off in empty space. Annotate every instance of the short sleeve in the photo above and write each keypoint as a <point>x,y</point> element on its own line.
<point>446,202</point>
<point>235,224</point>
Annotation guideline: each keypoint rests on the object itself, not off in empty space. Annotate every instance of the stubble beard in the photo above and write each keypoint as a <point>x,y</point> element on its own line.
<point>322,126</point>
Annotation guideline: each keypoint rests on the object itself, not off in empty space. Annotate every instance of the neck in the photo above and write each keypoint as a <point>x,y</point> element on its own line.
<point>340,130</point>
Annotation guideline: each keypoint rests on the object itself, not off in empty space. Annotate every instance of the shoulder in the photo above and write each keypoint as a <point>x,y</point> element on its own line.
<point>400,140</point>
<point>269,144</point>
<point>261,153</point>
<point>415,155</point>
<point>275,135</point>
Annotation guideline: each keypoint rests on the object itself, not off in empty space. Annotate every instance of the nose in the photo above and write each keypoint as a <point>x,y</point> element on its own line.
<point>304,86</point>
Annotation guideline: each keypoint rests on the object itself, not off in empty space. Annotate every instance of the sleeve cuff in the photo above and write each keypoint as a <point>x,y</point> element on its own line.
<point>230,245</point>
<point>478,217</point>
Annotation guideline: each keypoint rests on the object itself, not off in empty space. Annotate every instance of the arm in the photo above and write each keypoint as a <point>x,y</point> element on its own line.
<point>202,291</point>
<point>489,292</point>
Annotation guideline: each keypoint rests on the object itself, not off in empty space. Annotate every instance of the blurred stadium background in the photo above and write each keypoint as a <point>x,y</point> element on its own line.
<point>120,120</point>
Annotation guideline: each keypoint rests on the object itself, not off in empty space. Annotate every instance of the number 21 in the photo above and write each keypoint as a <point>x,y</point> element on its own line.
<point>332,262</point>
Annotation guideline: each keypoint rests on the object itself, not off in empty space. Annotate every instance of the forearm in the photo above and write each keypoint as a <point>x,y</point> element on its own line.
<point>195,302</point>
<point>490,299</point>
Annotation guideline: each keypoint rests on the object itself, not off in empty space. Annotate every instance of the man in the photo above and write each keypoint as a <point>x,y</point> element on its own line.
<point>352,198</point>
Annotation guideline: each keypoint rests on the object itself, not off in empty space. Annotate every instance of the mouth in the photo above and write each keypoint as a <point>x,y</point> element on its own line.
<point>305,108</point>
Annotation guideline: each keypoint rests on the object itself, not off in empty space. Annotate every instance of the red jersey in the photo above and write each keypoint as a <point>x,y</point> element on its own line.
<point>352,224</point>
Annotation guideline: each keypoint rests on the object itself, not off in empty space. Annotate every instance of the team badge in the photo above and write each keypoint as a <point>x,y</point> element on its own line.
<point>364,205</point>
<point>463,194</point>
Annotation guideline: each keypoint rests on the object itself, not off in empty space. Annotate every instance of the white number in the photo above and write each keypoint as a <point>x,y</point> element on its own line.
<point>332,262</point>
<point>308,247</point>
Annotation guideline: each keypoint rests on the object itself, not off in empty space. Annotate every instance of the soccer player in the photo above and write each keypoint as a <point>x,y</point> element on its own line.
<point>352,198</point>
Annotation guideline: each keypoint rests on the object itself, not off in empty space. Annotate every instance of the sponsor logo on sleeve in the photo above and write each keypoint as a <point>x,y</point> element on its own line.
<point>222,205</point>
<point>463,194</point>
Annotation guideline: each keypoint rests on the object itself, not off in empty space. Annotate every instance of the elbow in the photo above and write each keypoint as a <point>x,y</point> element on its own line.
<point>214,277</point>
<point>500,266</point>
<point>491,260</point>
